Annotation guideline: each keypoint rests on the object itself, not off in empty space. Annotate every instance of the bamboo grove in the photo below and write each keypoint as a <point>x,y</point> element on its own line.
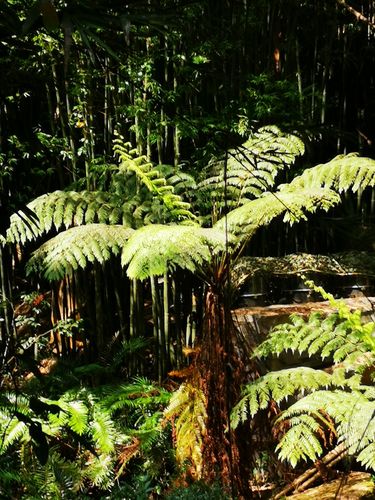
<point>155,158</point>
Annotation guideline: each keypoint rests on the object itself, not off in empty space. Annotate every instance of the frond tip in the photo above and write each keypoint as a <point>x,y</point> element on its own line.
<point>342,173</point>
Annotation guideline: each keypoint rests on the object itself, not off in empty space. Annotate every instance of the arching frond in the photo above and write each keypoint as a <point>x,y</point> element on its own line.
<point>301,441</point>
<point>63,209</point>
<point>342,173</point>
<point>253,166</point>
<point>76,247</point>
<point>326,336</point>
<point>139,394</point>
<point>100,471</point>
<point>353,414</point>
<point>103,429</point>
<point>154,181</point>
<point>277,386</point>
<point>294,204</point>
<point>154,249</point>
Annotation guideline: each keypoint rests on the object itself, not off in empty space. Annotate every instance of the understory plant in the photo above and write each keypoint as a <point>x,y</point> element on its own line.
<point>319,409</point>
<point>83,442</point>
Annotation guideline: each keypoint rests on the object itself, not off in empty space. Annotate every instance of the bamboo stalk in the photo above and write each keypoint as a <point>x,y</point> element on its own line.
<point>166,318</point>
<point>159,352</point>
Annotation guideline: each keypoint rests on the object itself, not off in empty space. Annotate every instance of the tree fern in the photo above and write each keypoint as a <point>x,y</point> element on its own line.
<point>336,402</point>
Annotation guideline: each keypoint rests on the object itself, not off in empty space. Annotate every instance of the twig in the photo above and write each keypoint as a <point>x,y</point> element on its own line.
<point>356,13</point>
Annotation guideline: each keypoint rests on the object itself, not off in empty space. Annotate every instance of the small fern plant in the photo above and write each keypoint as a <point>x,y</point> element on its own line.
<point>79,442</point>
<point>335,402</point>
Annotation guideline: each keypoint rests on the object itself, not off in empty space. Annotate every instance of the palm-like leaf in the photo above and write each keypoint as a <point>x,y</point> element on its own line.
<point>63,209</point>
<point>294,204</point>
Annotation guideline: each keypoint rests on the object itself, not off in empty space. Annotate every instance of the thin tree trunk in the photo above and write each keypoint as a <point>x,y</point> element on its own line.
<point>8,335</point>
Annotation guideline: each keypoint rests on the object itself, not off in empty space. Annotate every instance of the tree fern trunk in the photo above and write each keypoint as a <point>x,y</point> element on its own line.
<point>220,372</point>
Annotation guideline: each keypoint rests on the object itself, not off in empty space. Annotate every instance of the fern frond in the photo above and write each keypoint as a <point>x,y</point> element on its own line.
<point>100,471</point>
<point>139,394</point>
<point>188,406</point>
<point>277,386</point>
<point>64,209</point>
<point>67,474</point>
<point>153,180</point>
<point>342,173</point>
<point>294,204</point>
<point>12,430</point>
<point>76,247</point>
<point>325,336</point>
<point>155,249</point>
<point>78,413</point>
<point>352,413</point>
<point>252,167</point>
<point>103,430</point>
<point>300,442</point>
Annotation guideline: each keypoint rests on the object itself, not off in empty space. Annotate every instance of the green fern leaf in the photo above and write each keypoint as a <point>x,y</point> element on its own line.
<point>78,414</point>
<point>100,471</point>
<point>103,430</point>
<point>245,220</point>
<point>277,386</point>
<point>155,249</point>
<point>76,247</point>
<point>300,442</point>
<point>342,173</point>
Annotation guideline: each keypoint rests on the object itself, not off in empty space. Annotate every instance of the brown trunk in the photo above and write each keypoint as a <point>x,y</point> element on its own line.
<point>220,378</point>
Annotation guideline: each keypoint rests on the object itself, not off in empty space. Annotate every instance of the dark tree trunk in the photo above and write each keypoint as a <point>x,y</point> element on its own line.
<point>221,374</point>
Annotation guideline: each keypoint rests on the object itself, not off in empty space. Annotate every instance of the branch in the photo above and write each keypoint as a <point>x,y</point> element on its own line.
<point>313,473</point>
<point>356,14</point>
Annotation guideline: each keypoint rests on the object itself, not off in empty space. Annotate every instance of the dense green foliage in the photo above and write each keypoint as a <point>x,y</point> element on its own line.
<point>147,148</point>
